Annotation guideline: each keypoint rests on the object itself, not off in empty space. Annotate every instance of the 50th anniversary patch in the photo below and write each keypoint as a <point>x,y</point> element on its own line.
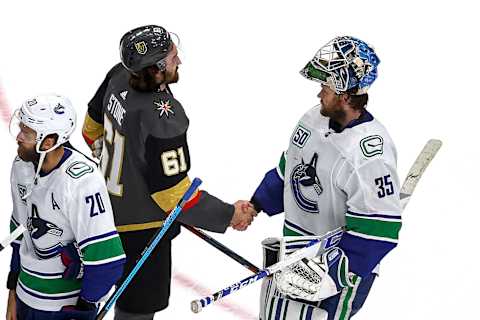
<point>300,136</point>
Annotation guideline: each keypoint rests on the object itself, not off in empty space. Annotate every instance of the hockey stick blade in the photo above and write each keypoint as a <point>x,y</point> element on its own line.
<point>149,248</point>
<point>14,235</point>
<point>418,168</point>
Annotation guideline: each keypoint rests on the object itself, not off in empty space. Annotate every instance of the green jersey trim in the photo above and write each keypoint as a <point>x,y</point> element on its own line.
<point>385,229</point>
<point>49,286</point>
<point>104,251</point>
<point>281,166</point>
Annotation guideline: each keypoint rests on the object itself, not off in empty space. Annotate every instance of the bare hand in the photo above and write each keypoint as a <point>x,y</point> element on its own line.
<point>11,306</point>
<point>243,215</point>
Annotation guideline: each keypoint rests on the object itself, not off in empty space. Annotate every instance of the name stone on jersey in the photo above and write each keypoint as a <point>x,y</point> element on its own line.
<point>116,109</point>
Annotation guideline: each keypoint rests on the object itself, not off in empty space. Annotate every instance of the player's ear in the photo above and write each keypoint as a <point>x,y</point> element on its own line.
<point>345,98</point>
<point>49,142</point>
<point>156,74</point>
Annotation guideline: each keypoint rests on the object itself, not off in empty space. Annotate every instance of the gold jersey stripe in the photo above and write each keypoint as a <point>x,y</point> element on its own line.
<point>167,199</point>
<point>91,128</point>
<point>139,226</point>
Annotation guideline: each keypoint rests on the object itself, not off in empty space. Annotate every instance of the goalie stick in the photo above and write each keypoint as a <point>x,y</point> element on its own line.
<point>330,239</point>
<point>14,235</point>
<point>149,248</point>
<point>202,235</point>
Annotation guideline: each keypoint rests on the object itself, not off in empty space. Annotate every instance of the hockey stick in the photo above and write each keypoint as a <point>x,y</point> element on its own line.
<point>327,241</point>
<point>14,235</point>
<point>418,168</point>
<point>330,239</point>
<point>202,235</point>
<point>149,248</point>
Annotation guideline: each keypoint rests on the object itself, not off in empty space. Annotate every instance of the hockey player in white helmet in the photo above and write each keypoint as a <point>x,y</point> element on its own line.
<point>339,171</point>
<point>71,255</point>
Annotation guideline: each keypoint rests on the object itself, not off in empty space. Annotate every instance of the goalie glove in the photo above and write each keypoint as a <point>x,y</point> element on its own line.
<point>317,278</point>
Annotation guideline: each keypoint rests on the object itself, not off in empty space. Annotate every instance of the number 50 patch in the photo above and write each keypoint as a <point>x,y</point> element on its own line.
<point>300,136</point>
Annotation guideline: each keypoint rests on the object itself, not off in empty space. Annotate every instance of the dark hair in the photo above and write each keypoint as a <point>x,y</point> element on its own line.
<point>144,80</point>
<point>357,101</point>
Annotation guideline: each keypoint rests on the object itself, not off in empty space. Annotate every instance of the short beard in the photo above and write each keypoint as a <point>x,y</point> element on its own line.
<point>171,78</point>
<point>336,115</point>
<point>29,155</point>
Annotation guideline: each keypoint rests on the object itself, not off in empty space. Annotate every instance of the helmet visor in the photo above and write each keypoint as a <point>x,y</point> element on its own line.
<point>19,131</point>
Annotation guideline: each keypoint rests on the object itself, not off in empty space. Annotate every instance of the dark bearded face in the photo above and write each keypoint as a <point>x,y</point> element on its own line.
<point>331,104</point>
<point>27,152</point>
<point>172,61</point>
<point>26,144</point>
<point>171,76</point>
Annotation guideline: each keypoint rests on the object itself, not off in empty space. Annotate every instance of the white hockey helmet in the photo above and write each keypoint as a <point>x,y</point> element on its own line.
<point>46,114</point>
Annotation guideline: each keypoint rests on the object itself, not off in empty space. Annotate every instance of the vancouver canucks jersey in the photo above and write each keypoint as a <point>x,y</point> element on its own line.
<point>68,205</point>
<point>338,178</point>
<point>145,157</point>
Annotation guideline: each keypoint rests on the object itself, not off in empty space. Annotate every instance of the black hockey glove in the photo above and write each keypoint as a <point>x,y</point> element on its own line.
<point>83,310</point>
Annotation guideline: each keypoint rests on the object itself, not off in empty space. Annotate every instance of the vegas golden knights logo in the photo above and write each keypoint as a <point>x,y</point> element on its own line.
<point>141,47</point>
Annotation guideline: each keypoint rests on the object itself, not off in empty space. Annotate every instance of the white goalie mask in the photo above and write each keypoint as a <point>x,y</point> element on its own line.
<point>46,115</point>
<point>342,64</point>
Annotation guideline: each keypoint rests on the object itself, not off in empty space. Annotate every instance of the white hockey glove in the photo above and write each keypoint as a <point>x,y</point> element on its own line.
<point>97,147</point>
<point>317,278</point>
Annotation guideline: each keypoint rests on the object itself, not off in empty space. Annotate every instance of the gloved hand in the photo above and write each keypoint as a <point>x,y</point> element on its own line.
<point>72,262</point>
<point>83,310</point>
<point>317,278</point>
<point>97,147</point>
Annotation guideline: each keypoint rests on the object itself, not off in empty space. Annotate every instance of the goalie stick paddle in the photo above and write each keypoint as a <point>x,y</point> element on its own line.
<point>418,168</point>
<point>330,239</point>
<point>149,248</point>
<point>14,235</point>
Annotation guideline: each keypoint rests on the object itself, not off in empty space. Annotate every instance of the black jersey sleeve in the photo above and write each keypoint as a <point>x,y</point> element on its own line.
<point>168,162</point>
<point>93,123</point>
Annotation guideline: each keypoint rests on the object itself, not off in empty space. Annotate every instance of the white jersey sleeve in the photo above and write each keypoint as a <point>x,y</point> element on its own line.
<point>19,204</point>
<point>91,219</point>
<point>373,217</point>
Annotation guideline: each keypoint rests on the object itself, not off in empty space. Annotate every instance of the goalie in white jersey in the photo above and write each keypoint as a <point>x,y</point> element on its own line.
<point>71,255</point>
<point>339,171</point>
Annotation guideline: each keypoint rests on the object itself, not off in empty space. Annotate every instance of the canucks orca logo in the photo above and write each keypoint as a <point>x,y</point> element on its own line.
<point>41,232</point>
<point>59,109</point>
<point>304,177</point>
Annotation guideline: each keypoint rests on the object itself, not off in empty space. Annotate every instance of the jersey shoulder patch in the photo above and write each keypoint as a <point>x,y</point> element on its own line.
<point>300,135</point>
<point>78,169</point>
<point>372,145</point>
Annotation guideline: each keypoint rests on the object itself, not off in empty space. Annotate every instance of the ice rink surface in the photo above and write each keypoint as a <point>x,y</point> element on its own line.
<point>240,87</point>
